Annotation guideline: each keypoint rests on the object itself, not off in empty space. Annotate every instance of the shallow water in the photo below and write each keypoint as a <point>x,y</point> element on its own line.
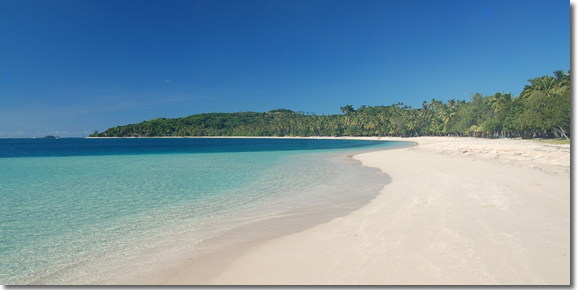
<point>88,211</point>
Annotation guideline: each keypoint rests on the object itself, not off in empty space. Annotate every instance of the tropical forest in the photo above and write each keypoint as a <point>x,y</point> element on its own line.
<point>541,110</point>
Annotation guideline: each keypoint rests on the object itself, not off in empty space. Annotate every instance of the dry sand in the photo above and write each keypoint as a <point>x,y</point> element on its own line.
<point>459,211</point>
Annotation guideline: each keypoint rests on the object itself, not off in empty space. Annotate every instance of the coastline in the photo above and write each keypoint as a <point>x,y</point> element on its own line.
<point>460,211</point>
<point>298,192</point>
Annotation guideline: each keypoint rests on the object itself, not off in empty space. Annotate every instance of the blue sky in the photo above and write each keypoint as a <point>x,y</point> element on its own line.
<point>70,67</point>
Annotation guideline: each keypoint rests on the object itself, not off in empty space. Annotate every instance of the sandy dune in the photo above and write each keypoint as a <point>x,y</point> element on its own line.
<point>458,211</point>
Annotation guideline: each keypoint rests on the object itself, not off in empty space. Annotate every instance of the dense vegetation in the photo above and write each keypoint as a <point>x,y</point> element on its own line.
<point>541,110</point>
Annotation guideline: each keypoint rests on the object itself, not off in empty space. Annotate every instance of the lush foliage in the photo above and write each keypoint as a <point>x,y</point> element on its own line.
<point>541,110</point>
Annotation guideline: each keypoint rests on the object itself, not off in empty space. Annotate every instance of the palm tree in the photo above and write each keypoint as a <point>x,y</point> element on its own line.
<point>545,85</point>
<point>563,80</point>
<point>499,101</point>
<point>446,114</point>
<point>413,121</point>
<point>451,103</point>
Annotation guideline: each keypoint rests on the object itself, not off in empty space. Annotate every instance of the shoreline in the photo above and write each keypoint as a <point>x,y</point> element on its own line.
<point>319,197</point>
<point>210,264</point>
<point>472,218</point>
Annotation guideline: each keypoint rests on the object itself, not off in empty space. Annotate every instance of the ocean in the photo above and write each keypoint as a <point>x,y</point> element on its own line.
<point>135,210</point>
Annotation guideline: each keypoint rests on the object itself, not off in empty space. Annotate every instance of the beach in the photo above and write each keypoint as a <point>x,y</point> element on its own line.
<point>458,211</point>
<point>147,206</point>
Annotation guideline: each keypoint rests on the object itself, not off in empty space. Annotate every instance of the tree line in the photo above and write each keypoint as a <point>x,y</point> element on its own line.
<point>541,110</point>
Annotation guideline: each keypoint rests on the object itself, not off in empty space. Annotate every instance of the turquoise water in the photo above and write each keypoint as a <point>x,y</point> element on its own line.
<point>85,211</point>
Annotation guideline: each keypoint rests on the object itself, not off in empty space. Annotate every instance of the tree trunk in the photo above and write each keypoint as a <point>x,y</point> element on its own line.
<point>563,133</point>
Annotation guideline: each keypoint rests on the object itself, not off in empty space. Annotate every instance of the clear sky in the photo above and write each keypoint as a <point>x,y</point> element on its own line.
<point>70,67</point>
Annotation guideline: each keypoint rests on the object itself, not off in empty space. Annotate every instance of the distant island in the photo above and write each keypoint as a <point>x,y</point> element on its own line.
<point>541,110</point>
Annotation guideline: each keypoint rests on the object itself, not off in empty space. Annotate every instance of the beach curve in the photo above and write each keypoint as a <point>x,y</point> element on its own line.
<point>447,218</point>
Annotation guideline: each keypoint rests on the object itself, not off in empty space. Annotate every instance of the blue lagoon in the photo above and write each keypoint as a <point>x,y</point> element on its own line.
<point>88,211</point>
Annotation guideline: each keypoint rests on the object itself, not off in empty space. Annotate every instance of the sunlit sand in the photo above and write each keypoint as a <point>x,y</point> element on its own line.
<point>459,211</point>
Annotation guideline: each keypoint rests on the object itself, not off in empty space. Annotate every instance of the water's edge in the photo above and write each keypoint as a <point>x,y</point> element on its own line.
<point>203,268</point>
<point>307,189</point>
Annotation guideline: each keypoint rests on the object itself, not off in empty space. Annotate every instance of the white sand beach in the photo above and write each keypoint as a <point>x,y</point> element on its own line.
<point>459,211</point>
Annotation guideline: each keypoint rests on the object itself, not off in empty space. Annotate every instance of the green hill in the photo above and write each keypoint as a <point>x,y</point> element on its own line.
<point>541,110</point>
